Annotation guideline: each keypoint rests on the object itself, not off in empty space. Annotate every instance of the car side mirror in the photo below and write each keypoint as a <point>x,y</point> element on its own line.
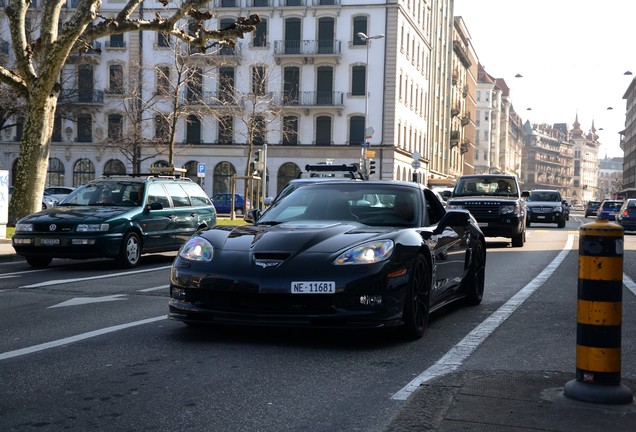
<point>253,215</point>
<point>155,206</point>
<point>525,194</point>
<point>455,217</point>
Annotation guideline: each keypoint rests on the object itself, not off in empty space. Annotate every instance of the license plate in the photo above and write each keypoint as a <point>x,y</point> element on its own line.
<point>482,224</point>
<point>313,287</point>
<point>49,242</point>
<point>540,217</point>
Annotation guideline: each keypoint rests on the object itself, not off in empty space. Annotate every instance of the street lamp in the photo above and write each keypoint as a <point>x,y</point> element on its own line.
<point>365,38</point>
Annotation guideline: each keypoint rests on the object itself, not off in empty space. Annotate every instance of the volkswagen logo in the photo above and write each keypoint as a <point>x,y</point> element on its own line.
<point>52,227</point>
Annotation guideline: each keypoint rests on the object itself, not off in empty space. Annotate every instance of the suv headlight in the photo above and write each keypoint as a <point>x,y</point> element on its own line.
<point>558,208</point>
<point>510,209</point>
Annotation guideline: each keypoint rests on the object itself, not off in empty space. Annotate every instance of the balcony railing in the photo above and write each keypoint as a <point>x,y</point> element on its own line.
<point>75,96</point>
<point>307,47</point>
<point>309,99</point>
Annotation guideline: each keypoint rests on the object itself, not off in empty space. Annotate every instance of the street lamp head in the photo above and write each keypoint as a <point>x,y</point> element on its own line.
<point>364,37</point>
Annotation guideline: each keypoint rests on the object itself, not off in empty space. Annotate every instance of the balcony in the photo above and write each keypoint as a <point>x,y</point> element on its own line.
<point>77,97</point>
<point>223,55</point>
<point>88,54</point>
<point>308,50</point>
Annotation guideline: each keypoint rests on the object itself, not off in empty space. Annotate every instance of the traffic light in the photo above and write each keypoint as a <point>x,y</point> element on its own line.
<point>257,156</point>
<point>371,167</point>
<point>584,186</point>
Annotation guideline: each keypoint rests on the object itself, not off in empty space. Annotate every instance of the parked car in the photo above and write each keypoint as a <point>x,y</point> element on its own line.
<point>495,201</point>
<point>608,209</point>
<point>546,206</point>
<point>48,201</point>
<point>118,217</point>
<point>592,208</point>
<point>322,256</point>
<point>58,192</point>
<point>223,203</point>
<point>626,216</point>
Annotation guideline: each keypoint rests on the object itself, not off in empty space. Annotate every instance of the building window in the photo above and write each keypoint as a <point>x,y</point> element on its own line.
<point>161,127</point>
<point>358,80</point>
<point>290,130</point>
<point>257,130</point>
<point>356,130</point>
<point>226,85</point>
<point>55,173</point>
<point>163,80</point>
<point>225,126</point>
<point>83,172</point>
<point>117,41</point>
<point>286,173</point>
<point>323,130</point>
<point>259,36</point>
<point>114,167</point>
<point>194,86</point>
<point>84,128</point>
<point>115,126</point>
<point>163,40</point>
<point>359,26</point>
<point>222,178</point>
<point>193,129</point>
<point>259,83</point>
<point>57,130</point>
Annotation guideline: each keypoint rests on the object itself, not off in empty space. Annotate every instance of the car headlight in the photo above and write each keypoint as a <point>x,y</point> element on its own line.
<point>367,253</point>
<point>24,227</point>
<point>92,227</point>
<point>197,249</point>
<point>558,208</point>
<point>510,209</point>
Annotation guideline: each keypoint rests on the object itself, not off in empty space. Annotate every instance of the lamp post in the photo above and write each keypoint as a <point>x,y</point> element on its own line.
<point>363,158</point>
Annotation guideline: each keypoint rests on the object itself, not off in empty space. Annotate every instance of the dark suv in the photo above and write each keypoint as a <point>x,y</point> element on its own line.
<point>495,201</point>
<point>546,206</point>
<point>116,217</point>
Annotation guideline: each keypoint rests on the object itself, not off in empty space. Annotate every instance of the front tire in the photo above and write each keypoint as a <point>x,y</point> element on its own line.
<point>130,251</point>
<point>38,262</point>
<point>417,300</point>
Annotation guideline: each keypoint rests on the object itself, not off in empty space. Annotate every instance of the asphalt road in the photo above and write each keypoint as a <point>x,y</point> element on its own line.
<point>86,346</point>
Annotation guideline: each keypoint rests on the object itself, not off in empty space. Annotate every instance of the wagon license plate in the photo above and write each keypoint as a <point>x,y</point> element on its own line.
<point>49,242</point>
<point>313,287</point>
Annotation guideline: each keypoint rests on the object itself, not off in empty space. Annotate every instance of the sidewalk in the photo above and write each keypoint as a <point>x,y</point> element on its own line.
<point>498,401</point>
<point>7,253</point>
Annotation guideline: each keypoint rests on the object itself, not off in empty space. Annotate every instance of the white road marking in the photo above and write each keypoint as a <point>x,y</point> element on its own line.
<point>629,283</point>
<point>456,356</point>
<point>20,273</point>
<point>65,281</point>
<point>157,288</point>
<point>76,338</point>
<point>87,300</point>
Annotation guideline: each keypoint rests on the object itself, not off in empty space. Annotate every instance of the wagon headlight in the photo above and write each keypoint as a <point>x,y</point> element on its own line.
<point>92,227</point>
<point>367,253</point>
<point>24,227</point>
<point>197,249</point>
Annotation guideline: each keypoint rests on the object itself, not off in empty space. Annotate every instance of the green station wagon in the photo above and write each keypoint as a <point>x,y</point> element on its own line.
<point>117,217</point>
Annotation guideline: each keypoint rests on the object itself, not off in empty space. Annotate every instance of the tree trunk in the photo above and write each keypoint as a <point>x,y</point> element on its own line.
<point>30,178</point>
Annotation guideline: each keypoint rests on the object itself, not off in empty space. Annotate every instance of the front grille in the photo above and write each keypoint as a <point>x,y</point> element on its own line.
<point>483,211</point>
<point>59,227</point>
<point>262,303</point>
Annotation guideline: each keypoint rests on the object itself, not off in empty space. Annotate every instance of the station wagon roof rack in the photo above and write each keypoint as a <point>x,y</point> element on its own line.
<point>324,170</point>
<point>155,172</point>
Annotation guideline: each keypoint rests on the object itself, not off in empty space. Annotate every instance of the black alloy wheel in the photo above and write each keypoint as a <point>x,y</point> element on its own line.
<point>417,302</point>
<point>130,251</point>
<point>476,275</point>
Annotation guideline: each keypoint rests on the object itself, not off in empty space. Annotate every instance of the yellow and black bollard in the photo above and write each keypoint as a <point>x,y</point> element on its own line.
<point>599,316</point>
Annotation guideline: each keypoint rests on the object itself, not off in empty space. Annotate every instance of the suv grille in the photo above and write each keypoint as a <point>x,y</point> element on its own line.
<point>483,210</point>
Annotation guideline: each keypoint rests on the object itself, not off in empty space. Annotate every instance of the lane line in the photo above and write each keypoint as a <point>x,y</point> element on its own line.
<point>629,283</point>
<point>76,338</point>
<point>65,281</point>
<point>456,356</point>
<point>157,288</point>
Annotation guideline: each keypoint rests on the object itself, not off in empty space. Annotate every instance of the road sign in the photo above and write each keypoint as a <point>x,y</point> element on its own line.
<point>370,153</point>
<point>416,164</point>
<point>201,170</point>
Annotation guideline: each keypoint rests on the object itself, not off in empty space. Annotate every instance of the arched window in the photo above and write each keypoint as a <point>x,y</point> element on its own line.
<point>55,173</point>
<point>286,173</point>
<point>222,178</point>
<point>83,172</point>
<point>114,166</point>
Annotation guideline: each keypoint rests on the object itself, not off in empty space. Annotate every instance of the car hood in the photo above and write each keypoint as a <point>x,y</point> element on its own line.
<point>294,237</point>
<point>75,214</point>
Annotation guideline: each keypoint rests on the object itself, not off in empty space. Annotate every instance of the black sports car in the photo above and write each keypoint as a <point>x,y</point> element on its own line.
<point>337,254</point>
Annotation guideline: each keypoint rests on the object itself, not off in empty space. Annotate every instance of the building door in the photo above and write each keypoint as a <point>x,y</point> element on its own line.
<point>324,86</point>
<point>292,36</point>
<point>291,85</point>
<point>85,83</point>
<point>326,34</point>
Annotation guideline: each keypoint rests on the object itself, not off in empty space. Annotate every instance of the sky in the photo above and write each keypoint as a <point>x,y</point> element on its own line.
<point>572,55</point>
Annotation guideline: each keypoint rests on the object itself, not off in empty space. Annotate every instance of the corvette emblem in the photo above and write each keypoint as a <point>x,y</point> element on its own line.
<point>52,227</point>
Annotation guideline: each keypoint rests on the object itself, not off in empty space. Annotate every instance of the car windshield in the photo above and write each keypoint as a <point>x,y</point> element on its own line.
<point>544,196</point>
<point>367,204</point>
<point>126,194</point>
<point>471,186</point>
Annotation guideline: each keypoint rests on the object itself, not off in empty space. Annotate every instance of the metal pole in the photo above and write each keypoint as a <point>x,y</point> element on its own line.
<point>264,179</point>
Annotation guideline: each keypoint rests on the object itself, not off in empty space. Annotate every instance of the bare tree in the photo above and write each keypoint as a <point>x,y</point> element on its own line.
<point>37,65</point>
